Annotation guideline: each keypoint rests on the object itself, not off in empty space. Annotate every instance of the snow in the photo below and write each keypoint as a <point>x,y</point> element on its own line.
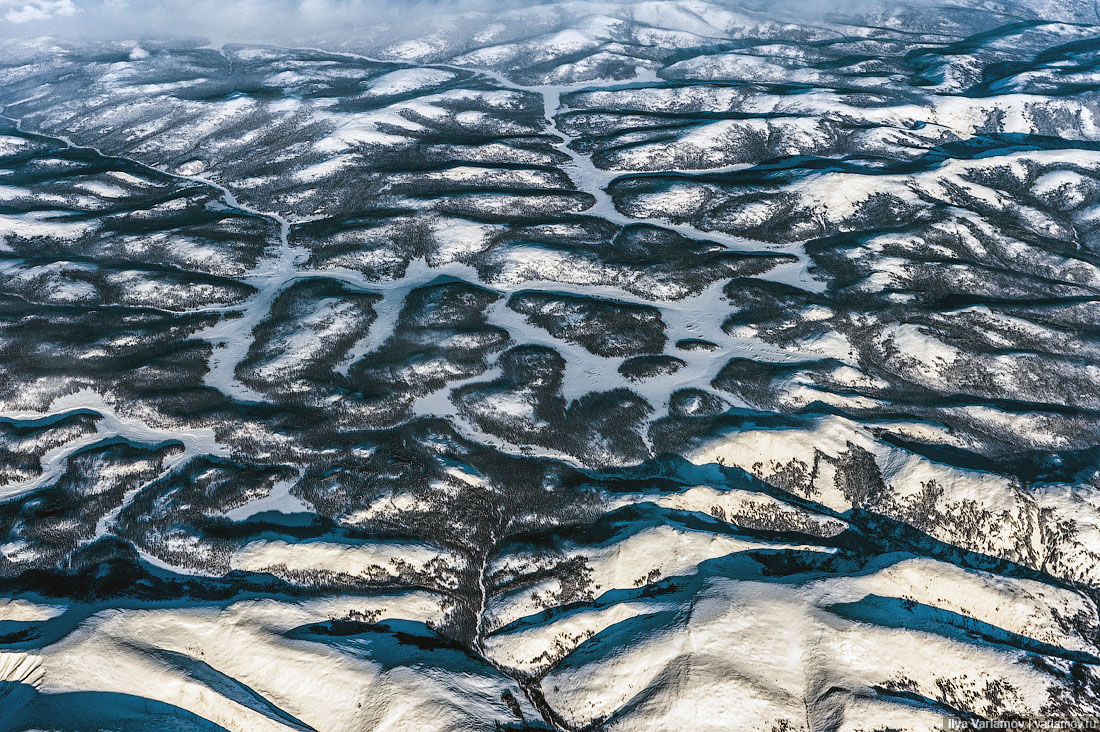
<point>195,441</point>
<point>234,667</point>
<point>752,652</point>
<point>406,81</point>
<point>682,622</point>
<point>363,129</point>
<point>20,610</point>
<point>1076,188</point>
<point>741,506</point>
<point>280,557</point>
<point>41,223</point>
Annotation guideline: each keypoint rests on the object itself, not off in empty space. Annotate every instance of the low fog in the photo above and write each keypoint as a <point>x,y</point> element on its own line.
<point>338,20</point>
<point>218,20</point>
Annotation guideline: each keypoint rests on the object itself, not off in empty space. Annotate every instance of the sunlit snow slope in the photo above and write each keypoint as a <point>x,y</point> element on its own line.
<point>647,366</point>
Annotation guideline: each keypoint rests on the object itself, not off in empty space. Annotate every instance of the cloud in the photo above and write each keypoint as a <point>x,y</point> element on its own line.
<point>355,21</point>
<point>319,23</point>
<point>36,10</point>
<point>216,19</point>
